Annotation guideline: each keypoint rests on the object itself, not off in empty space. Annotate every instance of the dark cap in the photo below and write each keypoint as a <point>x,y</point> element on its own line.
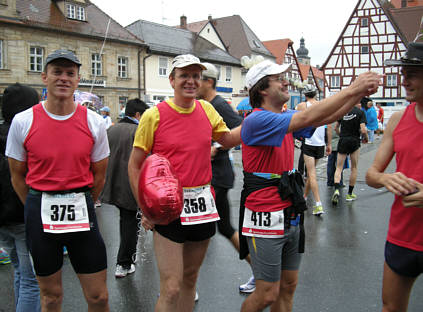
<point>62,54</point>
<point>413,56</point>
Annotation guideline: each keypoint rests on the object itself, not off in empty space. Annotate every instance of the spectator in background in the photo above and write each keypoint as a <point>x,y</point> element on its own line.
<point>16,98</point>
<point>380,116</point>
<point>372,123</point>
<point>105,112</point>
<point>117,190</point>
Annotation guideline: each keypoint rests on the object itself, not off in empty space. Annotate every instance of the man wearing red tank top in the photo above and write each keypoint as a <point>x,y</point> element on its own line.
<point>58,153</point>
<point>181,129</point>
<point>402,137</point>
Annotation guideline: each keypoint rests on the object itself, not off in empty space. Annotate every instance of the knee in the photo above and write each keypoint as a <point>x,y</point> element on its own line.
<point>190,278</point>
<point>170,290</point>
<point>270,297</point>
<point>51,301</point>
<point>99,299</point>
<point>288,287</point>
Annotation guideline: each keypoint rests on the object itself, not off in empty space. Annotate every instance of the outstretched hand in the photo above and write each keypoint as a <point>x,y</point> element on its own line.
<point>367,83</point>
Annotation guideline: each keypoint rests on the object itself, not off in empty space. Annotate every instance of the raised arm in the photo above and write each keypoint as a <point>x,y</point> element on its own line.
<point>334,107</point>
<point>397,182</point>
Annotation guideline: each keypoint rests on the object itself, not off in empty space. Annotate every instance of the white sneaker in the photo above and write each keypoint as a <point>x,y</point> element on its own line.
<point>249,286</point>
<point>122,272</point>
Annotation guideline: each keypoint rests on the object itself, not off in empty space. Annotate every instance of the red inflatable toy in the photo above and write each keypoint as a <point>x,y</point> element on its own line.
<point>160,192</point>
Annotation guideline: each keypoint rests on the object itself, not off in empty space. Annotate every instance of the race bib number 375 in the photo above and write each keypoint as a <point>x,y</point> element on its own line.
<point>64,213</point>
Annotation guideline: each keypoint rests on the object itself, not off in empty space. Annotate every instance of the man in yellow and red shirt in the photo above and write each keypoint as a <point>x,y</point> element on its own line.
<point>181,129</point>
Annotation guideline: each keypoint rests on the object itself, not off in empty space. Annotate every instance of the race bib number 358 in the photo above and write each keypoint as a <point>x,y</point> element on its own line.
<point>64,213</point>
<point>199,206</point>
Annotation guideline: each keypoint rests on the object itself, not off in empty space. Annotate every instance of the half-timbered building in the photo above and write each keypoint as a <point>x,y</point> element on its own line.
<point>375,31</point>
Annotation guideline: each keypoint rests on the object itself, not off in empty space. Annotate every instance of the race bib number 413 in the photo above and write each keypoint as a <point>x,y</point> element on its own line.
<point>263,224</point>
<point>64,213</point>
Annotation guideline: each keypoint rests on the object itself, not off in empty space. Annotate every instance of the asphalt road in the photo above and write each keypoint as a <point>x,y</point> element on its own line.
<point>341,270</point>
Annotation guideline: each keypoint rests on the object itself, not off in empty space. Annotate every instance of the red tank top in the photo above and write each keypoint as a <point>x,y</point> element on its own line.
<point>59,151</point>
<point>185,140</point>
<point>268,159</point>
<point>406,224</point>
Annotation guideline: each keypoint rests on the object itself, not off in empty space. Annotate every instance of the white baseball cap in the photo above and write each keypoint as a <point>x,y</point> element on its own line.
<point>264,69</point>
<point>210,71</point>
<point>185,60</point>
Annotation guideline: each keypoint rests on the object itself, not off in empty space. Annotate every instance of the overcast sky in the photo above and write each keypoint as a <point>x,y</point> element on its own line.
<point>320,22</point>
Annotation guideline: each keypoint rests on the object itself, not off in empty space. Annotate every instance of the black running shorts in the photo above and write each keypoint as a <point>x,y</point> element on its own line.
<point>348,145</point>
<point>178,233</point>
<point>316,152</point>
<point>86,250</point>
<point>403,261</point>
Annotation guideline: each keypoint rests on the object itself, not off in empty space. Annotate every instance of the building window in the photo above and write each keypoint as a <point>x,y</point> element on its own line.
<point>75,12</point>
<point>1,55</point>
<point>228,74</point>
<point>218,72</point>
<point>80,13</point>
<point>158,98</point>
<point>364,22</point>
<point>335,81</point>
<point>36,56</point>
<point>122,67</point>
<point>391,80</point>
<point>364,49</point>
<point>70,10</point>
<point>96,65</point>
<point>163,63</point>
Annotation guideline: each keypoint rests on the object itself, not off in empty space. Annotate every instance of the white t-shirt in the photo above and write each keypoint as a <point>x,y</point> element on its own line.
<point>318,137</point>
<point>21,124</point>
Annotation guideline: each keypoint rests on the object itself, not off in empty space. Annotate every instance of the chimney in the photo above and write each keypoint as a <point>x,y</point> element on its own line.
<point>210,17</point>
<point>183,22</point>
<point>403,3</point>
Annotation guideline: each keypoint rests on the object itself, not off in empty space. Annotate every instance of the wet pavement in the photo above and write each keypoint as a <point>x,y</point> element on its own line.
<point>341,269</point>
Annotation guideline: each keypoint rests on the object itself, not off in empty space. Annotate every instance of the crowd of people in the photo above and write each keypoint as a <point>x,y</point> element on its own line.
<point>51,180</point>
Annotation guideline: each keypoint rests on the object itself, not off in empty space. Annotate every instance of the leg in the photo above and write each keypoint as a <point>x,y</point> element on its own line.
<point>223,207</point>
<point>193,255</point>
<point>169,257</point>
<point>354,164</point>
<point>266,294</point>
<point>310,163</point>
<point>339,166</point>
<point>51,292</point>
<point>95,291</point>
<point>28,292</point>
<point>128,237</point>
<point>288,284</point>
<point>224,224</point>
<point>396,290</point>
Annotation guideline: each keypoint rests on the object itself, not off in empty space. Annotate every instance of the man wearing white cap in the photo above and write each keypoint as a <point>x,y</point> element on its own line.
<point>181,129</point>
<point>271,223</point>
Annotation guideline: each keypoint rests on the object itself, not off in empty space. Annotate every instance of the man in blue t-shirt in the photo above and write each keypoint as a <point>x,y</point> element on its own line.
<point>268,233</point>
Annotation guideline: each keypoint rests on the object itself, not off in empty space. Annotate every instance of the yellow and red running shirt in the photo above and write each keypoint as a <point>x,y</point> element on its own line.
<point>183,136</point>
